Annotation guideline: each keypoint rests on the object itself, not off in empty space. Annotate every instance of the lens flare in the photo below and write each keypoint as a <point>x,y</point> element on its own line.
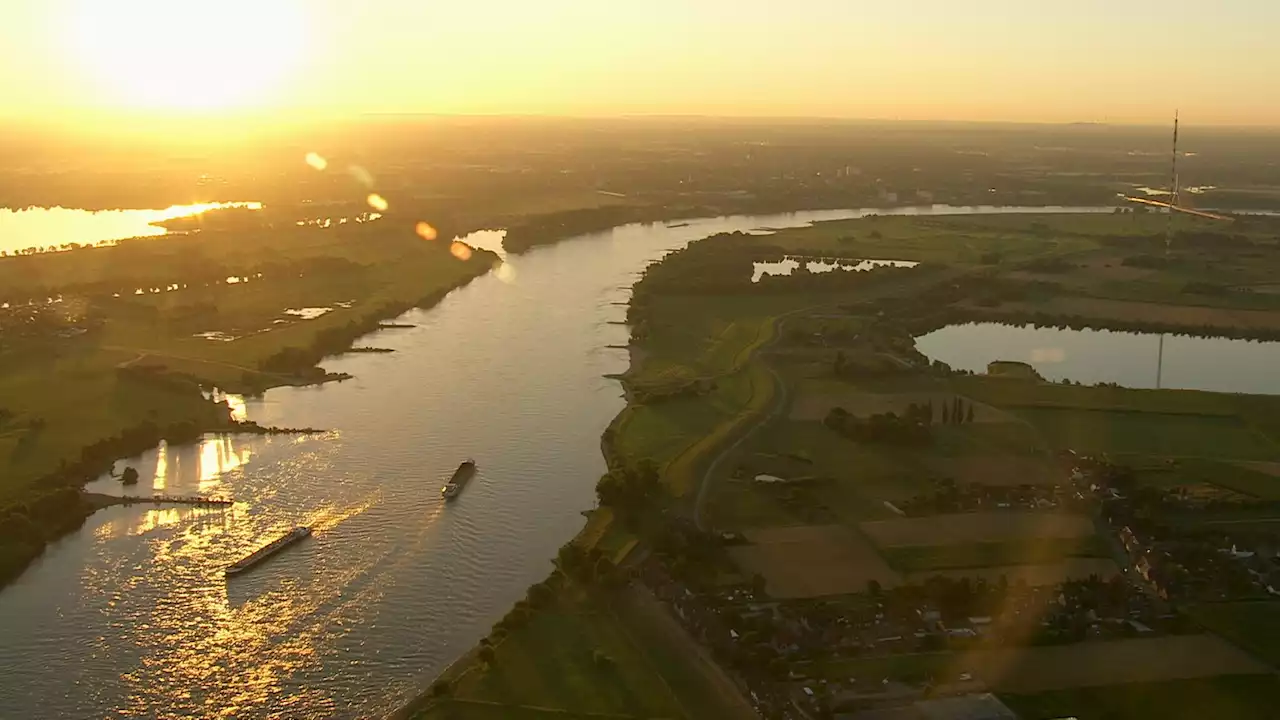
<point>425,231</point>
<point>317,161</point>
<point>460,251</point>
<point>377,202</point>
<point>362,176</point>
<point>504,272</point>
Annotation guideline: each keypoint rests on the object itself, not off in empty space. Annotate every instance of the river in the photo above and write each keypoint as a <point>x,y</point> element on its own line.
<point>131,616</point>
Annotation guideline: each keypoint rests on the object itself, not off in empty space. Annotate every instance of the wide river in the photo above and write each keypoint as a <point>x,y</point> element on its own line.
<point>131,617</point>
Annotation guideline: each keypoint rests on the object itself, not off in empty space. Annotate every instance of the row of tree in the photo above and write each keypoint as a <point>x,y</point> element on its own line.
<point>887,428</point>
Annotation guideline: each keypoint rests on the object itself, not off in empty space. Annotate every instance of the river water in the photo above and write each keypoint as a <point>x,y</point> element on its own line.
<point>131,617</point>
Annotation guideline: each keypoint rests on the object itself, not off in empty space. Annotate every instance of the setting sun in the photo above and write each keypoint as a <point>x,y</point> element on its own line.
<point>179,55</point>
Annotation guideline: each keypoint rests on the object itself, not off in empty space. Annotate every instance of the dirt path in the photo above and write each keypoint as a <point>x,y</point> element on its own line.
<point>650,615</point>
<point>779,404</point>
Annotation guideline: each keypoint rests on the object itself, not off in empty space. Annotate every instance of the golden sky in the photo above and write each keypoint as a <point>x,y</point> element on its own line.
<point>1085,60</point>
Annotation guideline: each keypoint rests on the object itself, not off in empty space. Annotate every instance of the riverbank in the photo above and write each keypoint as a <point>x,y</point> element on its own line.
<point>91,390</point>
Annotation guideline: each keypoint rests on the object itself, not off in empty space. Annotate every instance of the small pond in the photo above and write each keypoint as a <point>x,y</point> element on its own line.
<point>815,264</point>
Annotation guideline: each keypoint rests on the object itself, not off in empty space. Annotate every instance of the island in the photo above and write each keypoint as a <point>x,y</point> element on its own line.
<point>803,512</point>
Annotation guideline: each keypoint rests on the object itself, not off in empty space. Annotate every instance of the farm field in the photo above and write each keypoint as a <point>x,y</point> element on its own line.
<point>1147,433</point>
<point>1047,668</point>
<point>977,528</point>
<point>455,709</point>
<point>1254,626</point>
<point>992,469</point>
<point>1238,697</point>
<point>1117,662</point>
<point>1028,551</point>
<point>555,662</point>
<point>1035,575</point>
<point>815,398</point>
<point>812,561</point>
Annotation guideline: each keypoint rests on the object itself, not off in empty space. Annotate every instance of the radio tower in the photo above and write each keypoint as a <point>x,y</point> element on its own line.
<point>1173,188</point>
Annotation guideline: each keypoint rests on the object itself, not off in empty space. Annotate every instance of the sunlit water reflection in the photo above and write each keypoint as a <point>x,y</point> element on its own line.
<point>132,616</point>
<point>43,228</point>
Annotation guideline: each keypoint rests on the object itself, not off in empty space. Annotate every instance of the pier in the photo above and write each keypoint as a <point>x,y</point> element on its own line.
<point>102,500</point>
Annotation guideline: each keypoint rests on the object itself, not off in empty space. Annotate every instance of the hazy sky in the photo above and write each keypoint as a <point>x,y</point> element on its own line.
<point>1096,60</point>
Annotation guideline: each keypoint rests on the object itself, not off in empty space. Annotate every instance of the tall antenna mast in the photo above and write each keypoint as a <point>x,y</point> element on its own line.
<point>1173,187</point>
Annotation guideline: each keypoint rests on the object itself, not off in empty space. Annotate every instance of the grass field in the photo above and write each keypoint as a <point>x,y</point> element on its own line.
<point>1149,433</point>
<point>1062,668</point>
<point>455,709</point>
<point>813,561</point>
<point>1254,626</point>
<point>982,527</point>
<point>1028,551</point>
<point>1115,662</point>
<point>1247,478</point>
<point>1238,697</point>
<point>908,667</point>
<point>588,656</point>
<point>936,239</point>
<point>683,473</point>
<point>662,430</point>
<point>551,663</point>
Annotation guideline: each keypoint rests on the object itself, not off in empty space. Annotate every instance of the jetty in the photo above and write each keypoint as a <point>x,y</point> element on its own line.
<point>100,500</point>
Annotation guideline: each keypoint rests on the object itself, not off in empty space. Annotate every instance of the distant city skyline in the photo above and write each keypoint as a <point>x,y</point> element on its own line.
<point>988,60</point>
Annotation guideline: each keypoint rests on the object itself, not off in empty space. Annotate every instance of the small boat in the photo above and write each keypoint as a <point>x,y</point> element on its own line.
<point>459,479</point>
<point>266,551</point>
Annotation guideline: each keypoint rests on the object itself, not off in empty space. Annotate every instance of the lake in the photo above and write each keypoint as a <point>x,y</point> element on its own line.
<point>1125,358</point>
<point>39,227</point>
<point>131,617</point>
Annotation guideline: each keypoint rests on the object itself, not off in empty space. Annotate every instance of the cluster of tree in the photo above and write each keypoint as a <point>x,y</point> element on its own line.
<point>42,517</point>
<point>887,428</point>
<point>691,555</point>
<point>631,491</point>
<point>589,567</point>
<point>25,527</point>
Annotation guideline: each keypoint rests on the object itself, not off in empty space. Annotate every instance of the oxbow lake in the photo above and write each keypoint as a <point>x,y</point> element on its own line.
<point>41,227</point>
<point>1126,358</point>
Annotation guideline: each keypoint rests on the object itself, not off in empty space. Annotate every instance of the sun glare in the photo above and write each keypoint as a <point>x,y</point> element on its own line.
<point>184,55</point>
